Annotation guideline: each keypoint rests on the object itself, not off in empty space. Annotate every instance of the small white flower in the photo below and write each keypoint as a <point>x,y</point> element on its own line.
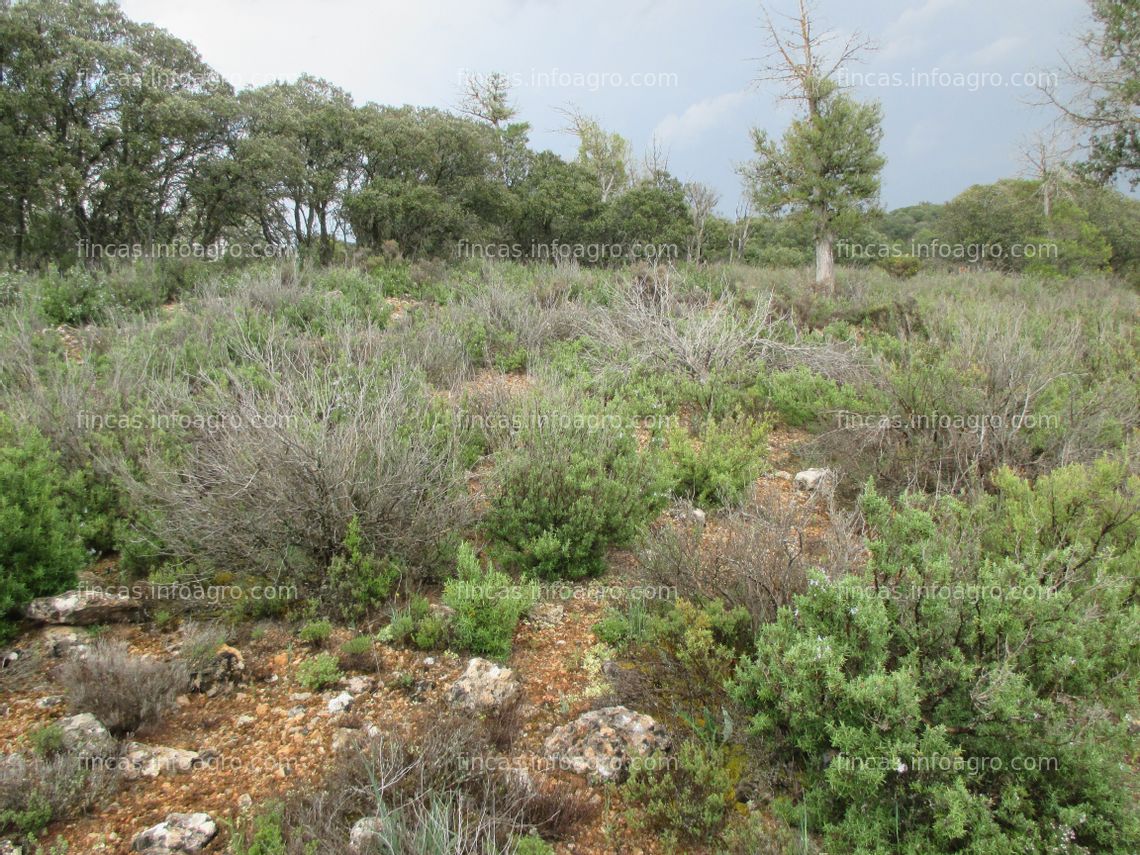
<point>901,767</point>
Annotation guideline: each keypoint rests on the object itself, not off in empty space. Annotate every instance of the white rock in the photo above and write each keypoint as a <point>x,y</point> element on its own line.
<point>341,703</point>
<point>179,832</point>
<point>82,608</point>
<point>484,686</point>
<point>812,479</point>
<point>365,834</point>
<point>150,761</point>
<point>85,735</point>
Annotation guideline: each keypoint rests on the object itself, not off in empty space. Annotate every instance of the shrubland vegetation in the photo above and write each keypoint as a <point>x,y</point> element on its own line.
<point>936,651</point>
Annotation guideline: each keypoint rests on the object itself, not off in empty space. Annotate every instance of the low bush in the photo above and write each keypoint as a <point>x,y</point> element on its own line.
<point>566,491</point>
<point>487,604</point>
<point>319,673</point>
<point>40,551</point>
<point>357,582</point>
<point>963,691</point>
<point>125,692</point>
<point>35,792</point>
<point>315,632</point>
<point>686,795</point>
<point>721,469</point>
<point>357,654</point>
<point>437,796</point>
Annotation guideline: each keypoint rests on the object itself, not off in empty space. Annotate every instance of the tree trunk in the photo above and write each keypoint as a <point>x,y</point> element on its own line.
<point>825,261</point>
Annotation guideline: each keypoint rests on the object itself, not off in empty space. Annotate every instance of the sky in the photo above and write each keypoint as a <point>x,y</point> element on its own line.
<point>956,78</point>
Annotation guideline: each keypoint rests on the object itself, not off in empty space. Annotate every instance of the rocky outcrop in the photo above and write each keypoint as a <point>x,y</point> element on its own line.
<point>149,761</point>
<point>365,834</point>
<point>814,479</point>
<point>179,832</point>
<point>85,735</point>
<point>601,743</point>
<point>484,687</point>
<point>82,608</point>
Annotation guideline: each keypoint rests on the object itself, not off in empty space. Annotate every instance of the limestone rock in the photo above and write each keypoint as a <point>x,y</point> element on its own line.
<point>601,743</point>
<point>179,832</point>
<point>484,686</point>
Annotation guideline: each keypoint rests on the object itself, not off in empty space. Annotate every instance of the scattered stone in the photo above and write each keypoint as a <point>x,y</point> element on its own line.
<point>179,832</point>
<point>813,479</point>
<point>243,720</point>
<point>82,608</point>
<point>341,703</point>
<point>85,735</point>
<point>365,834</point>
<point>48,702</point>
<point>7,847</point>
<point>297,712</point>
<point>601,743</point>
<point>150,761</point>
<point>245,802</point>
<point>697,516</point>
<point>782,475</point>
<point>484,686</point>
<point>546,615</point>
<point>429,661</point>
<point>300,696</point>
<point>10,658</point>
<point>60,642</point>
<point>360,685</point>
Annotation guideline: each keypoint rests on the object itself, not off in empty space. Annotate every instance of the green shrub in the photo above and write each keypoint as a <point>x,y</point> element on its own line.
<point>721,470</point>
<point>687,795</point>
<point>901,266</point>
<point>40,551</point>
<point>47,740</point>
<point>532,844</point>
<point>75,297</point>
<point>487,605</point>
<point>357,581</point>
<point>801,397</point>
<point>416,626</point>
<point>315,632</point>
<point>566,492</point>
<point>953,696</point>
<point>319,673</point>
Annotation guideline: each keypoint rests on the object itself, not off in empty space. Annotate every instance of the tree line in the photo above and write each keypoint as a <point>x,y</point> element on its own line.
<point>115,133</point>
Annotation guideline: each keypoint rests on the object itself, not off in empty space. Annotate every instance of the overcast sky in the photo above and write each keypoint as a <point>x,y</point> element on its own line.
<point>953,75</point>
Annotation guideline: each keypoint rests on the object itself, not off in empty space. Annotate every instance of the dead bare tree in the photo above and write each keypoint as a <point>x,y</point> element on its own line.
<point>1045,158</point>
<point>702,201</point>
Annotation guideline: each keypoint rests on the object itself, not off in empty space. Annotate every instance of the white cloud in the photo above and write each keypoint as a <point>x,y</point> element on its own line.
<point>698,118</point>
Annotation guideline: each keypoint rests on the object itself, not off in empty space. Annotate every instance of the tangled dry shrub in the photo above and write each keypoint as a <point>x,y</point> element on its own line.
<point>756,557</point>
<point>447,792</point>
<point>125,692</point>
<point>287,453</point>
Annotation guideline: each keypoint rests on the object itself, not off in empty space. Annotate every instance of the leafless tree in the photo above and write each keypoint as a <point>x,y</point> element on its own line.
<point>702,201</point>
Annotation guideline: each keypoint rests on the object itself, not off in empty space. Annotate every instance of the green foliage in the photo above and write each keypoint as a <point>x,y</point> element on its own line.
<point>47,740</point>
<point>487,604</point>
<point>565,493</point>
<point>263,835</point>
<point>946,698</point>
<point>357,581</point>
<point>318,673</point>
<point>725,463</point>
<point>415,624</point>
<point>901,266</point>
<point>41,552</point>
<point>687,794</point>
<point>801,397</point>
<point>532,844</point>
<point>316,632</point>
